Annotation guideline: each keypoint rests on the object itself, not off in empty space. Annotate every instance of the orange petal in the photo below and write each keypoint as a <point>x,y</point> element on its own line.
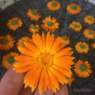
<point>53,79</point>
<point>62,52</point>
<point>32,47</point>
<point>55,45</point>
<point>61,78</point>
<point>50,43</point>
<point>41,82</point>
<point>47,40</point>
<point>25,58</point>
<point>62,70</point>
<point>35,78</point>
<point>26,51</point>
<point>44,44</point>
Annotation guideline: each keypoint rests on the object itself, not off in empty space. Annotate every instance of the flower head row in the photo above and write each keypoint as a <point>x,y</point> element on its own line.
<point>33,14</point>
<point>46,62</point>
<point>6,42</point>
<point>14,23</point>
<point>53,5</point>
<point>76,26</point>
<point>73,8</point>
<point>8,59</point>
<point>82,47</point>
<point>89,19</point>
<point>83,69</point>
<point>50,24</point>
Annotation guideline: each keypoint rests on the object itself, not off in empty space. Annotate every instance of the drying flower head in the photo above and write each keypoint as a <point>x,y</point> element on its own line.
<point>8,59</point>
<point>82,69</point>
<point>14,23</point>
<point>73,8</point>
<point>50,24</point>
<point>6,42</point>
<point>76,26</point>
<point>33,14</point>
<point>89,33</point>
<point>34,28</point>
<point>65,39</point>
<point>82,47</point>
<point>89,19</point>
<point>21,41</point>
<point>53,5</point>
<point>45,61</point>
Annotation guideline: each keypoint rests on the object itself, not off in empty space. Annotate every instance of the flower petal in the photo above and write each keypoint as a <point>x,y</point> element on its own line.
<point>55,45</point>
<point>62,52</point>
<point>26,51</point>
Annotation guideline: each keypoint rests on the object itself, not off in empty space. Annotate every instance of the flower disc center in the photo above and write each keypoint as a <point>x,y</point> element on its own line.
<point>23,44</point>
<point>10,59</point>
<point>34,27</point>
<point>4,41</point>
<point>89,19</point>
<point>54,4</point>
<point>73,7</point>
<point>34,13</point>
<point>65,38</point>
<point>82,46</point>
<point>90,33</point>
<point>15,22</point>
<point>82,67</point>
<point>49,23</point>
<point>75,26</point>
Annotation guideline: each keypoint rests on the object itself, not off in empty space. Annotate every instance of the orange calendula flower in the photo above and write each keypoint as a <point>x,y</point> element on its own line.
<point>65,39</point>
<point>50,24</point>
<point>33,14</point>
<point>82,68</point>
<point>89,33</point>
<point>8,59</point>
<point>73,8</point>
<point>53,5</point>
<point>70,79</point>
<point>82,47</point>
<point>6,42</point>
<point>34,28</point>
<point>22,40</point>
<point>14,23</point>
<point>45,61</point>
<point>93,45</point>
<point>89,19</point>
<point>76,26</point>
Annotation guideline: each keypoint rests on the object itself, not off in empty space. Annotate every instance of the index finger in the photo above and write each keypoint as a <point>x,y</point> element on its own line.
<point>11,83</point>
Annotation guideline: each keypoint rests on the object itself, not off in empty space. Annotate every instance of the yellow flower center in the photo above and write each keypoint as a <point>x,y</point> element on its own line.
<point>75,26</point>
<point>4,41</point>
<point>82,46</point>
<point>34,13</point>
<point>45,59</point>
<point>54,4</point>
<point>10,59</point>
<point>49,24</point>
<point>90,33</point>
<point>15,22</point>
<point>73,7</point>
<point>89,19</point>
<point>82,67</point>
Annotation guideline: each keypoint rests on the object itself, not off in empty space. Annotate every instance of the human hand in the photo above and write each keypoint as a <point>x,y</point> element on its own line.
<point>12,84</point>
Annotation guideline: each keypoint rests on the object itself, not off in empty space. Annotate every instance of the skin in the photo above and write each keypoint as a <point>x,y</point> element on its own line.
<point>12,84</point>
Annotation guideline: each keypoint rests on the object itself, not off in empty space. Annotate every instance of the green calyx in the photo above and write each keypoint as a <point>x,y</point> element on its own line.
<point>89,19</point>
<point>90,33</point>
<point>65,38</point>
<point>4,41</point>
<point>82,46</point>
<point>73,7</point>
<point>54,4</point>
<point>15,22</point>
<point>49,24</point>
<point>82,67</point>
<point>23,44</point>
<point>75,26</point>
<point>34,27</point>
<point>10,59</point>
<point>34,13</point>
